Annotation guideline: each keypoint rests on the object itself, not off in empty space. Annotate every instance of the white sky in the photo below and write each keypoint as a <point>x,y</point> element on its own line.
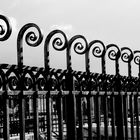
<point>111,21</point>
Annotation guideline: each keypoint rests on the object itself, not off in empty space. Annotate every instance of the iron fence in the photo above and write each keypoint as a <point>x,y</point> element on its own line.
<point>67,104</point>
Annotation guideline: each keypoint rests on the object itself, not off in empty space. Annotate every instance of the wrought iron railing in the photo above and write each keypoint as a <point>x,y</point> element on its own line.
<point>68,104</point>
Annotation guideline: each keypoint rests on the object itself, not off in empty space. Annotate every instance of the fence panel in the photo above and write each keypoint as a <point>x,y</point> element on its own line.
<point>67,104</point>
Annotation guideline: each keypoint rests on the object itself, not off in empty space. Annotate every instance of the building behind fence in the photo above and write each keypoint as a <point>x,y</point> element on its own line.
<point>47,103</point>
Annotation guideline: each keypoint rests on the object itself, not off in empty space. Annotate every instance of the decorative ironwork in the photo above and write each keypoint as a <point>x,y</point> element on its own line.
<point>31,39</point>
<point>58,44</point>
<point>5,32</point>
<point>127,57</point>
<point>40,93</point>
<point>79,48</point>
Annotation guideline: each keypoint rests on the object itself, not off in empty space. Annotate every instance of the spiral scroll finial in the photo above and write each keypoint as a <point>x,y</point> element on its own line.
<point>31,39</point>
<point>126,54</point>
<point>5,30</point>
<point>114,52</point>
<point>80,47</point>
<point>58,40</point>
<point>99,49</point>
<point>137,57</point>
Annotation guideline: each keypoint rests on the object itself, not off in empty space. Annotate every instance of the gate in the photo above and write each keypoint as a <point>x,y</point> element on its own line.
<point>49,103</point>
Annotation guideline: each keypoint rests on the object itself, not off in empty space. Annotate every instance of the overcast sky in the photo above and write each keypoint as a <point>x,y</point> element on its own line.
<point>111,21</point>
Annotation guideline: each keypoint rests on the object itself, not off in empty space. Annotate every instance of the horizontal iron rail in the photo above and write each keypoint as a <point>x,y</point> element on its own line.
<point>35,69</point>
<point>17,92</point>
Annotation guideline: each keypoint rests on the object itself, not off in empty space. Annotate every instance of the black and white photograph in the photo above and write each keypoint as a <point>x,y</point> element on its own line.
<point>69,70</point>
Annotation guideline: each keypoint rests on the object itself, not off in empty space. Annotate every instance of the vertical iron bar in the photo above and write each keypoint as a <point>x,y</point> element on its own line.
<point>119,101</point>
<point>71,108</point>
<point>87,61</point>
<point>106,116</point>
<point>80,116</point>
<point>22,115</point>
<point>71,101</point>
<point>49,115</point>
<point>57,42</point>
<point>105,97</point>
<point>60,115</point>
<point>89,104</point>
<point>137,104</point>
<point>115,55</point>
<point>36,117</point>
<point>131,102</point>
<point>105,100</point>
<point>119,106</point>
<point>49,107</point>
<point>99,51</point>
<point>35,112</point>
<point>113,116</point>
<point>119,117</point>
<point>98,116</point>
<point>6,128</point>
<point>71,117</point>
<point>31,36</point>
<point>125,99</point>
<point>6,120</point>
<point>127,58</point>
<point>132,115</point>
<point>137,116</point>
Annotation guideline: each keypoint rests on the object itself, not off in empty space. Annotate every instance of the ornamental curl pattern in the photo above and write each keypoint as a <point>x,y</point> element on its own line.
<point>11,78</point>
<point>80,47</point>
<point>58,40</point>
<point>126,54</point>
<point>24,85</point>
<point>30,38</point>
<point>6,29</point>
<point>113,51</point>
<point>137,57</point>
<point>99,48</point>
<point>35,78</point>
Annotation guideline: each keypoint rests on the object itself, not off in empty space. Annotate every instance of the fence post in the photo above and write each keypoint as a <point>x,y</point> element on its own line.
<point>58,45</point>
<point>127,56</point>
<point>99,52</point>
<point>114,54</point>
<point>70,99</point>
<point>32,40</point>
<point>71,109</point>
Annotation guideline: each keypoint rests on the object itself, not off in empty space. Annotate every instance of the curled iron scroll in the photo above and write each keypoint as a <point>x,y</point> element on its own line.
<point>13,78</point>
<point>126,54</point>
<point>31,39</point>
<point>137,57</point>
<point>99,49</point>
<point>28,80</point>
<point>59,43</point>
<point>79,47</point>
<point>5,31</point>
<point>114,52</point>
